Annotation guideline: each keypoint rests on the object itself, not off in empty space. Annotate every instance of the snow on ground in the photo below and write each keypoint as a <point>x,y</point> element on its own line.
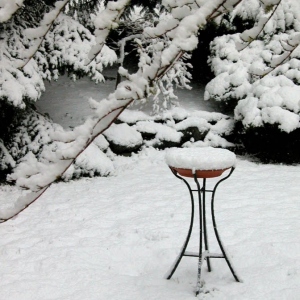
<point>116,237</point>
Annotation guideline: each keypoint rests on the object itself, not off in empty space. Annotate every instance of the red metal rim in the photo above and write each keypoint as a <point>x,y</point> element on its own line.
<point>199,173</point>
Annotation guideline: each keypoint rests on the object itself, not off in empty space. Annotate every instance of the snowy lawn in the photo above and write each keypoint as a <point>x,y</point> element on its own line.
<point>116,237</point>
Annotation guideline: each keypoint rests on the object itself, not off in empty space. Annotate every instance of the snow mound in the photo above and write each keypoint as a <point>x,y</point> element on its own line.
<point>123,134</point>
<point>200,123</point>
<point>176,113</point>
<point>207,158</point>
<point>161,131</point>
<point>92,162</point>
<point>101,142</point>
<point>133,116</point>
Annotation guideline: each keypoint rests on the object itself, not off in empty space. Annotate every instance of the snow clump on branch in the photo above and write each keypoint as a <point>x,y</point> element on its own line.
<point>8,8</point>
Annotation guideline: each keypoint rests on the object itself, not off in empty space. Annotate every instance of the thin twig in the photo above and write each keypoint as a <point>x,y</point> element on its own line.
<point>263,27</point>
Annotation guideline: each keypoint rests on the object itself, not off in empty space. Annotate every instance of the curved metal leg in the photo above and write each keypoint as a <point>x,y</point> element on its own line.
<point>216,230</point>
<point>198,286</point>
<point>177,261</point>
<point>204,224</point>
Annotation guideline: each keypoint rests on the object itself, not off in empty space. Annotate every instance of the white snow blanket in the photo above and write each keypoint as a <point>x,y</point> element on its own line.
<point>105,239</point>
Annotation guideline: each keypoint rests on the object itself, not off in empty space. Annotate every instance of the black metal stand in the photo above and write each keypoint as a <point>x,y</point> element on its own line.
<point>202,255</point>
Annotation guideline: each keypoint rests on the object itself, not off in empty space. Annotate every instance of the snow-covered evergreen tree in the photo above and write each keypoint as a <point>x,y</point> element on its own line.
<point>36,45</point>
<point>258,75</point>
<point>38,42</point>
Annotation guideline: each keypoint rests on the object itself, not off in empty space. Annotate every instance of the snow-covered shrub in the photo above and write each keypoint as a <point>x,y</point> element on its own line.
<point>101,142</point>
<point>33,139</point>
<point>258,77</point>
<point>30,134</point>
<point>177,114</point>
<point>132,116</point>
<point>239,60</point>
<point>159,135</point>
<point>34,131</point>
<point>180,128</point>
<point>269,122</point>
<point>90,163</point>
<point>193,128</point>
<point>201,71</point>
<point>123,138</point>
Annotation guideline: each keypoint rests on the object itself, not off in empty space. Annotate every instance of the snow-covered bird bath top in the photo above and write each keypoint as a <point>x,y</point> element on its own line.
<point>204,162</point>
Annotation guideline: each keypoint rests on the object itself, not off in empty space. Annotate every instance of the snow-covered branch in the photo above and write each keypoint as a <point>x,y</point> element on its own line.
<point>290,46</point>
<point>105,21</point>
<point>8,8</point>
<point>122,43</point>
<point>38,34</point>
<point>7,159</point>
<point>252,34</point>
<point>223,8</point>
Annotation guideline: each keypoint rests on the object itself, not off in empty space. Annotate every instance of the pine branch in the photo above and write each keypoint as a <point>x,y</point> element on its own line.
<point>104,25</point>
<point>166,69</point>
<point>216,13</point>
<point>45,29</point>
<point>8,8</point>
<point>6,153</point>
